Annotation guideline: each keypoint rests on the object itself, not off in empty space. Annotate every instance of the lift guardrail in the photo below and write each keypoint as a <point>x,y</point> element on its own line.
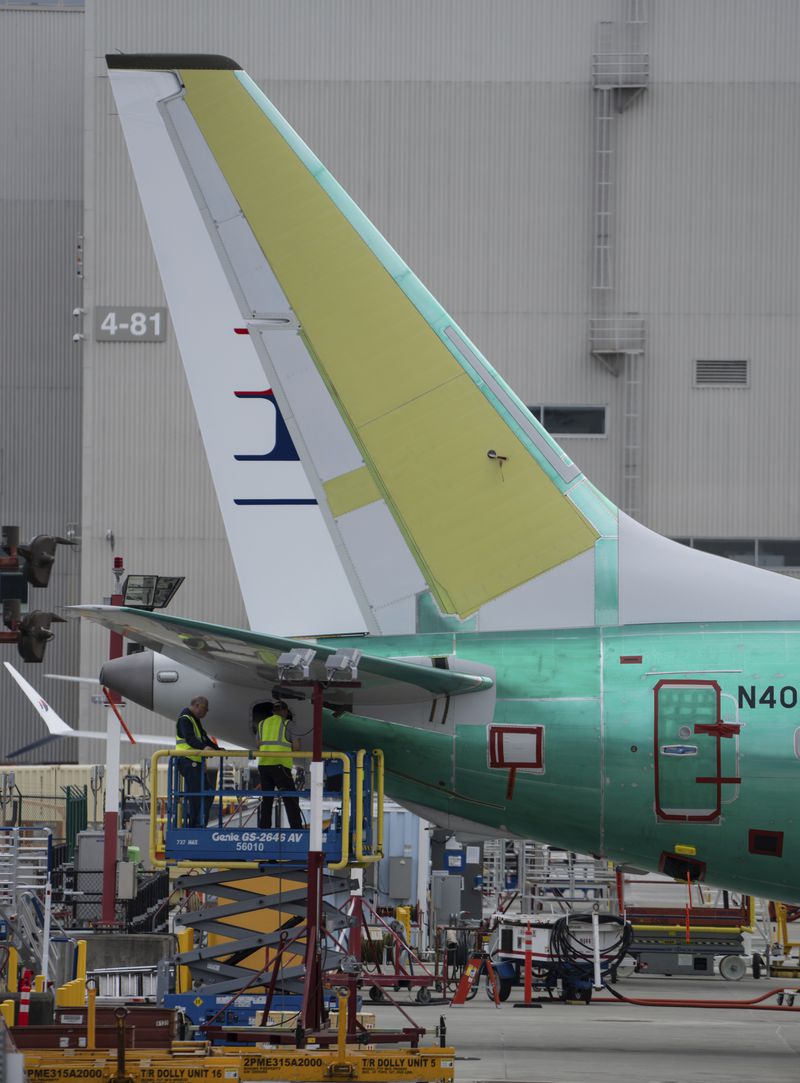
<point>353,832</point>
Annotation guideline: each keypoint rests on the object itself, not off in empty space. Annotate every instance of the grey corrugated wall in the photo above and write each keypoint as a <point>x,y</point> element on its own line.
<point>41,194</point>
<point>463,128</point>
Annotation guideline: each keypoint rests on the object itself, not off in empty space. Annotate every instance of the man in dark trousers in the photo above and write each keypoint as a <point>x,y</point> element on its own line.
<point>190,740</point>
<point>275,761</point>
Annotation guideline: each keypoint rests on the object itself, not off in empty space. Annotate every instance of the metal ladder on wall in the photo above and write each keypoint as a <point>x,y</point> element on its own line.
<point>632,433</point>
<point>620,73</point>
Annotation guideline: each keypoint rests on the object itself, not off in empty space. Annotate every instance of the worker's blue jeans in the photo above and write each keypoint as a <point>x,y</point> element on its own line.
<point>195,806</point>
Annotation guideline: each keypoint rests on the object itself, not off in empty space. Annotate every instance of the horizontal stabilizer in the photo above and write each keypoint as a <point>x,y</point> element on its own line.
<point>252,657</point>
<point>32,746</point>
<point>71,679</point>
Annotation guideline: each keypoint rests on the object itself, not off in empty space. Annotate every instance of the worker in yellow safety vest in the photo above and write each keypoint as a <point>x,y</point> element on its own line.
<point>190,740</point>
<point>274,759</point>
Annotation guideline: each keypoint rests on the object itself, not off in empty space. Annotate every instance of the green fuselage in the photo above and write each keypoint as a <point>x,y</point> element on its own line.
<point>622,723</point>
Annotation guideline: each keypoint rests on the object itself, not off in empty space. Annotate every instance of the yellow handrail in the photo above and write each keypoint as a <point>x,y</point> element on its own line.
<point>377,817</point>
<point>91,1014</point>
<point>359,847</point>
<point>783,927</point>
<point>80,960</point>
<point>12,971</point>
<point>379,764</point>
<point>345,858</point>
<point>156,843</point>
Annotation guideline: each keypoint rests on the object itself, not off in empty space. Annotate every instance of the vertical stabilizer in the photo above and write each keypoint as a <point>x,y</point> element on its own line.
<point>369,411</point>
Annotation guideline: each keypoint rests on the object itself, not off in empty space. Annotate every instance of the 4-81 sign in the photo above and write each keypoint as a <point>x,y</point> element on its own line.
<point>130,324</point>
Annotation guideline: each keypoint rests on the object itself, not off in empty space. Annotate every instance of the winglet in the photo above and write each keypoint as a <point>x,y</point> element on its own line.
<point>55,724</point>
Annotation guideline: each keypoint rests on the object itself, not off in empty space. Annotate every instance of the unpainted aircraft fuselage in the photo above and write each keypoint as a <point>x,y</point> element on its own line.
<point>633,741</point>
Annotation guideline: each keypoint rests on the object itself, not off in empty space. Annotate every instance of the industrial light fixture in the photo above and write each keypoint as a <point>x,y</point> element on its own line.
<point>150,591</point>
<point>343,665</point>
<point>296,665</point>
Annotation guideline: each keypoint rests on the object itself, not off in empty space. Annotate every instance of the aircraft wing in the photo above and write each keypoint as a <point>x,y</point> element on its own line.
<point>233,654</point>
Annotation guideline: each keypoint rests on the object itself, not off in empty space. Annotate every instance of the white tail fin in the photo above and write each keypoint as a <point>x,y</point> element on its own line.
<point>444,501</point>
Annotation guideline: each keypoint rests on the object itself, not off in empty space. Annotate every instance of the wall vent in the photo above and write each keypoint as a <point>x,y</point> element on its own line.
<point>721,373</point>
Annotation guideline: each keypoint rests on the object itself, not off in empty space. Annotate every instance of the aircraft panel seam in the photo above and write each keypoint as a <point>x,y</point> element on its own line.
<point>558,465</point>
<point>602,779</point>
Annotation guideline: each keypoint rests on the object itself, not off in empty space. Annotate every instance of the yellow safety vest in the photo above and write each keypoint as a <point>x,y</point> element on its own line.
<point>182,746</point>
<point>273,748</point>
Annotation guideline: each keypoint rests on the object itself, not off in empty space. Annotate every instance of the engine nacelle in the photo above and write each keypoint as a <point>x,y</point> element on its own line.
<point>165,686</point>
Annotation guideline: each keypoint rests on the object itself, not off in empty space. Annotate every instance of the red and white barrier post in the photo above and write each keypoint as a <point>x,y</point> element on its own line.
<point>528,944</point>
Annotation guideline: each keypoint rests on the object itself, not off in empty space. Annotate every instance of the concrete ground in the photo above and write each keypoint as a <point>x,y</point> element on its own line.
<point>620,1043</point>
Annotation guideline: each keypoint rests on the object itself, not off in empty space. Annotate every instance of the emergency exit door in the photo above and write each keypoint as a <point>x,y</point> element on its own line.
<point>696,753</point>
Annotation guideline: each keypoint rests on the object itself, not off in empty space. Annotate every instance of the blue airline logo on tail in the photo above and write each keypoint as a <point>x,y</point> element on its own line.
<point>283,450</point>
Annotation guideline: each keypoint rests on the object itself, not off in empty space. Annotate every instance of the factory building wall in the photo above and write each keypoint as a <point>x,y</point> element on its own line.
<point>465,131</point>
<point>709,251</point>
<point>41,194</point>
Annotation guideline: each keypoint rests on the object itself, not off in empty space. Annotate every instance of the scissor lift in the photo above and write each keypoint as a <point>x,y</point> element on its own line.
<point>256,936</point>
<point>352,827</point>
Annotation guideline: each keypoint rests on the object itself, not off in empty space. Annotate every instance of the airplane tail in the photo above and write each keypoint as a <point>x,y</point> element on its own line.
<point>344,409</point>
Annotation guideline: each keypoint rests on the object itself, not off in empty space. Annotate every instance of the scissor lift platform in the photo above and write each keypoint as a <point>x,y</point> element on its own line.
<point>352,834</point>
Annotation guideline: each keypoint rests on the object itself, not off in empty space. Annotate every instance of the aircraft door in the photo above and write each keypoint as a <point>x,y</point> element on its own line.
<point>691,745</point>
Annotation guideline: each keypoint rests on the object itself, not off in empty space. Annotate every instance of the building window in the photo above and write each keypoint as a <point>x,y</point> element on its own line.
<point>780,554</point>
<point>721,373</point>
<point>571,420</point>
<point>741,549</point>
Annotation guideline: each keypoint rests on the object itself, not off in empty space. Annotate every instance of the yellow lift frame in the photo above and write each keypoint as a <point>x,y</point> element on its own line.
<point>363,853</point>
